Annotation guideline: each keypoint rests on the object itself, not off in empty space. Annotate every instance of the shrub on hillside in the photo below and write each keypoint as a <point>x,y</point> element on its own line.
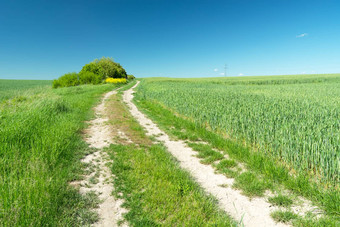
<point>105,67</point>
<point>89,78</point>
<point>67,80</point>
<point>56,84</point>
<point>131,77</point>
<point>94,73</point>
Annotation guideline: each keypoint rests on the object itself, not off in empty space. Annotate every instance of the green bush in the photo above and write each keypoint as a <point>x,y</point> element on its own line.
<point>93,73</point>
<point>91,67</point>
<point>56,84</point>
<point>89,78</point>
<point>105,67</point>
<point>131,77</point>
<point>67,80</point>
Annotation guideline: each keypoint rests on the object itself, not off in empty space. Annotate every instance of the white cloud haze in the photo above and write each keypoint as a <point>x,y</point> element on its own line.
<point>302,35</point>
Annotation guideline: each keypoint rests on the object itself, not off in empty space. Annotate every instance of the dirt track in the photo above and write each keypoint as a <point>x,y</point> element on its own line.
<point>251,213</point>
<point>254,212</point>
<point>98,135</point>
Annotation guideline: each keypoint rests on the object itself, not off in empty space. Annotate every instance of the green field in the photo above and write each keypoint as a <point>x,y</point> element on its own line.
<point>41,146</point>
<point>11,88</point>
<point>292,118</point>
<point>284,130</point>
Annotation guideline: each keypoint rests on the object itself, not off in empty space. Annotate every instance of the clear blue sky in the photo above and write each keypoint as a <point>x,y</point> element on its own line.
<point>45,39</point>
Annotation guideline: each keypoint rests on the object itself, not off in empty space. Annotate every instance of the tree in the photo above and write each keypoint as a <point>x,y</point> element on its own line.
<point>105,67</point>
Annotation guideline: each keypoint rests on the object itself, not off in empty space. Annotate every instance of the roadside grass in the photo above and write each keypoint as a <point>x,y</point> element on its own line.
<point>226,163</point>
<point>280,200</point>
<point>155,189</point>
<point>40,151</point>
<point>205,152</point>
<point>258,164</point>
<point>283,216</point>
<point>314,222</point>
<point>250,184</point>
<point>84,214</point>
<point>227,167</point>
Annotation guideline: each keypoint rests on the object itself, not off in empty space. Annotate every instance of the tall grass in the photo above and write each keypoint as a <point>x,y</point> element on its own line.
<point>40,148</point>
<point>293,119</point>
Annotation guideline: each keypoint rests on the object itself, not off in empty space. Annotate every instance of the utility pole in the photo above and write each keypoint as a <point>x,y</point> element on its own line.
<point>225,69</point>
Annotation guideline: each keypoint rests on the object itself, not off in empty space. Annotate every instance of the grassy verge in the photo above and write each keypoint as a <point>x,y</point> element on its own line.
<point>40,149</point>
<point>155,189</point>
<point>263,172</point>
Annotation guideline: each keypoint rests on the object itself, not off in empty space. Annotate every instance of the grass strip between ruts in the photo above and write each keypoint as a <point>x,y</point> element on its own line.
<point>158,192</point>
<point>155,189</point>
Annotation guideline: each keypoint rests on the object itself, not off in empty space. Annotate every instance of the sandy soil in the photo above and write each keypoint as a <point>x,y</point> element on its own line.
<point>98,135</point>
<point>255,212</point>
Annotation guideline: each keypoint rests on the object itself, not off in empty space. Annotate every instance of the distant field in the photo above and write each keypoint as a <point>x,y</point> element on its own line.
<point>262,80</point>
<point>10,88</point>
<point>292,118</point>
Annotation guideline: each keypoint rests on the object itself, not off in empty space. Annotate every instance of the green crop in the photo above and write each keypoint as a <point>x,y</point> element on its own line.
<point>295,119</point>
<point>15,88</point>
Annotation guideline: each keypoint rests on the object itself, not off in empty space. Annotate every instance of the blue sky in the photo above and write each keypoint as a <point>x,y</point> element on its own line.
<point>186,38</point>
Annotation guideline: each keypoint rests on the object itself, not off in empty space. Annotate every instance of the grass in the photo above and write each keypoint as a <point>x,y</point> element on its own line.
<point>121,121</point>
<point>41,145</point>
<point>225,167</point>
<point>226,164</point>
<point>84,214</point>
<point>280,200</point>
<point>207,154</point>
<point>283,216</point>
<point>250,184</point>
<point>18,88</point>
<point>211,156</point>
<point>93,180</point>
<point>155,189</point>
<point>157,192</point>
<point>40,152</point>
<point>275,173</point>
